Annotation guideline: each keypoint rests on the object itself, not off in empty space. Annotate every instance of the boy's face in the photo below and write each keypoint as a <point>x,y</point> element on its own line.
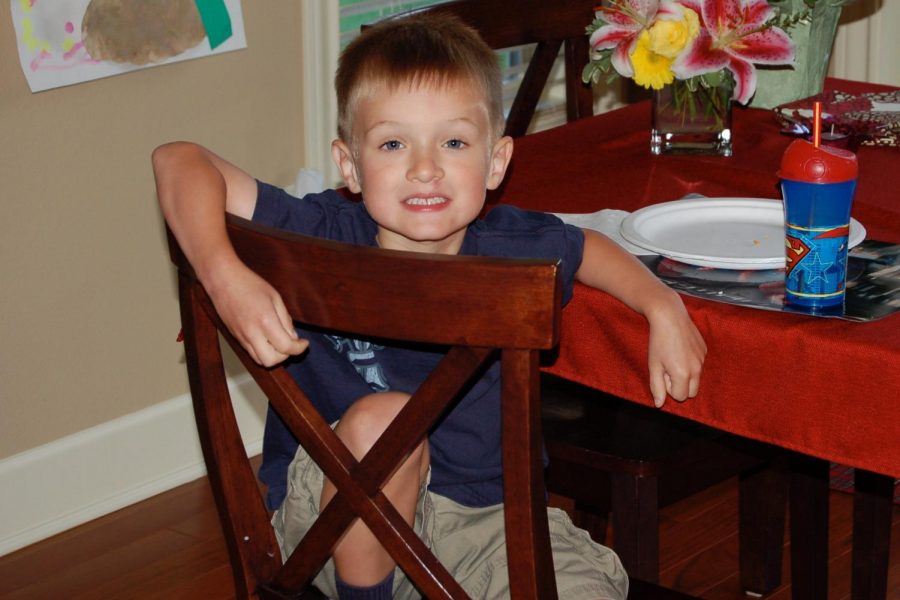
<point>424,158</point>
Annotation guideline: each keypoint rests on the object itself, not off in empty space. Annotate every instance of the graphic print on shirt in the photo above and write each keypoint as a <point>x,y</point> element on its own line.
<point>361,355</point>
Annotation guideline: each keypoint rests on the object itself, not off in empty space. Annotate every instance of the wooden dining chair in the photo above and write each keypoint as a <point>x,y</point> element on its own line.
<point>553,26</point>
<point>622,463</point>
<point>451,302</point>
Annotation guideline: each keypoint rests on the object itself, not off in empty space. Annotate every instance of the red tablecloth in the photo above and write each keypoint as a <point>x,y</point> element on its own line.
<point>825,387</point>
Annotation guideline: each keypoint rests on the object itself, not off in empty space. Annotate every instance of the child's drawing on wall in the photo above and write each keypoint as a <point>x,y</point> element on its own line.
<point>140,31</point>
<point>61,43</point>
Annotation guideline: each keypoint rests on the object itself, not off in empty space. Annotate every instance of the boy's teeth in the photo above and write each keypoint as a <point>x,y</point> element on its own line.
<point>426,201</point>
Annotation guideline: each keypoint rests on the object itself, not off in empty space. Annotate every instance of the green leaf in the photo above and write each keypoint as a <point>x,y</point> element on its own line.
<point>714,79</point>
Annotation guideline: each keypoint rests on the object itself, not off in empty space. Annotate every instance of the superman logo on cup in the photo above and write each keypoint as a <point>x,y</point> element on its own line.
<point>796,250</point>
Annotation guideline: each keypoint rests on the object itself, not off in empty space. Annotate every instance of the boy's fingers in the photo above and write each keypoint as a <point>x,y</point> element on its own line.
<point>694,387</point>
<point>290,343</point>
<point>658,385</point>
<point>253,354</point>
<point>284,317</point>
<point>679,387</point>
<point>283,344</point>
<point>291,347</point>
<point>252,349</point>
<point>259,346</point>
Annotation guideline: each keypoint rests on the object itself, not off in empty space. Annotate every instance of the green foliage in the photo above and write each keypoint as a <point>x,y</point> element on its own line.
<point>599,66</point>
<point>787,20</point>
<point>831,3</point>
<point>790,13</point>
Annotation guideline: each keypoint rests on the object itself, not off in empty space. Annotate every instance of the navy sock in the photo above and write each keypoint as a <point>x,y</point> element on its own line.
<point>379,591</point>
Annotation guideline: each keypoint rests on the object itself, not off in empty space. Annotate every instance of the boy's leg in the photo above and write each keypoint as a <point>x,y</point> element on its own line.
<point>359,558</point>
<point>471,543</point>
<point>300,510</point>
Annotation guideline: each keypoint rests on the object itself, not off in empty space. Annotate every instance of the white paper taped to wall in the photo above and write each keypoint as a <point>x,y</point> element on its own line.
<point>64,43</point>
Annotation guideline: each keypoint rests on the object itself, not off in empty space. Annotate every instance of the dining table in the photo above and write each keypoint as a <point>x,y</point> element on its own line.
<point>824,389</point>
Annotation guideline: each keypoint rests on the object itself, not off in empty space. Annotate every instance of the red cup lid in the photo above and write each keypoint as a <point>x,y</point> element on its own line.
<point>802,161</point>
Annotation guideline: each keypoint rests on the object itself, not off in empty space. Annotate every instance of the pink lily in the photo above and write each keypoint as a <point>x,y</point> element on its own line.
<point>625,20</point>
<point>734,35</point>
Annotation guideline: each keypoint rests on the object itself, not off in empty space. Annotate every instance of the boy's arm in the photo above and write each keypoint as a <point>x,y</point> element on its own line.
<point>676,349</point>
<point>195,188</point>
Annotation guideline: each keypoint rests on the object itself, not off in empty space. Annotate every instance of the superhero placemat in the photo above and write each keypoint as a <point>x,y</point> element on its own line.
<point>873,283</point>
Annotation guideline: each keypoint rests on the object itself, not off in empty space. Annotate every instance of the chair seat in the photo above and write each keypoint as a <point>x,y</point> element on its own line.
<point>584,426</point>
<point>587,429</point>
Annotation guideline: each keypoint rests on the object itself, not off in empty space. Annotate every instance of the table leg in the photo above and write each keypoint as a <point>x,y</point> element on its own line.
<point>635,520</point>
<point>809,527</point>
<point>872,505</point>
<point>762,499</point>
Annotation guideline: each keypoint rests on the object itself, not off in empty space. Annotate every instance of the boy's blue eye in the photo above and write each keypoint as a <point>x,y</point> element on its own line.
<point>392,145</point>
<point>455,144</point>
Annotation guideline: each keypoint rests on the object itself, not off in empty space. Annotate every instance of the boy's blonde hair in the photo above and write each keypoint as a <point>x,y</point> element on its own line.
<point>429,49</point>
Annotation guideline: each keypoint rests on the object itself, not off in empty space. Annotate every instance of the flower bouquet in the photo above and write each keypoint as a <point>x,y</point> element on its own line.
<point>697,56</point>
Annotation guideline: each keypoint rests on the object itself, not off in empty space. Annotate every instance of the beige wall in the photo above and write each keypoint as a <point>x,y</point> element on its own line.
<point>88,311</point>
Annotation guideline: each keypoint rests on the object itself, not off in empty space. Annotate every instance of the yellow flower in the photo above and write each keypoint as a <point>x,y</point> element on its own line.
<point>651,70</point>
<point>669,38</point>
<point>658,47</point>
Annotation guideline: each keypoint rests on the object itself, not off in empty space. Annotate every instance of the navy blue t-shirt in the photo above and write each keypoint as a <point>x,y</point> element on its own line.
<point>465,447</point>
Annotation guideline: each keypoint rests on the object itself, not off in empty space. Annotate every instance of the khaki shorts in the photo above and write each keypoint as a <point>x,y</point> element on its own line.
<point>469,542</point>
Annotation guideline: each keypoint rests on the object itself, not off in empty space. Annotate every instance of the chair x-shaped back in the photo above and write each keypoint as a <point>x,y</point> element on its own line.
<point>474,306</point>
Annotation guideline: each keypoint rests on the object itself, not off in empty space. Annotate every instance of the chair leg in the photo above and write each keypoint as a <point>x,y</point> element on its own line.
<point>809,527</point>
<point>592,519</point>
<point>762,507</point>
<point>872,507</point>
<point>635,518</point>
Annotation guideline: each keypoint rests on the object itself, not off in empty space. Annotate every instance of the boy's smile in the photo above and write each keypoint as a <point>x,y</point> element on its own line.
<point>423,160</point>
<point>418,203</point>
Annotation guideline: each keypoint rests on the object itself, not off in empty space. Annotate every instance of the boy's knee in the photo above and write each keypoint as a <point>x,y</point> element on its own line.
<point>364,422</point>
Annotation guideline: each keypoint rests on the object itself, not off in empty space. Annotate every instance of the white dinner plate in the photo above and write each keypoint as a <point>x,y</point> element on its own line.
<point>726,233</point>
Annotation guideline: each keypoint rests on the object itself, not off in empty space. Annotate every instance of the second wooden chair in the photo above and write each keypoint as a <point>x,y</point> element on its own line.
<point>619,458</point>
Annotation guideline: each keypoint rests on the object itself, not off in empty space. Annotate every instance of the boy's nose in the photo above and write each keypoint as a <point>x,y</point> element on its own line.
<point>424,168</point>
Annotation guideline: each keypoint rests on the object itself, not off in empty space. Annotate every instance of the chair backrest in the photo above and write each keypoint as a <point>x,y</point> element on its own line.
<point>549,24</point>
<point>475,306</point>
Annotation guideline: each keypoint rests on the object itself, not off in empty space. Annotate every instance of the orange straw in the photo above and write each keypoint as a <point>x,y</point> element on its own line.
<point>817,123</point>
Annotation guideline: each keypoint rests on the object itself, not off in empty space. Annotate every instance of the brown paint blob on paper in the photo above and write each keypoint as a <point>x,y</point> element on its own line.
<point>140,32</point>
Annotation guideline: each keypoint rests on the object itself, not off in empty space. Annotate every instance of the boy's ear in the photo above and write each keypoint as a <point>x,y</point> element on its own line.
<point>343,158</point>
<point>500,157</point>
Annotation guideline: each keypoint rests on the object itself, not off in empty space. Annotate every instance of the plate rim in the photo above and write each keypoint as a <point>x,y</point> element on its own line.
<point>628,231</point>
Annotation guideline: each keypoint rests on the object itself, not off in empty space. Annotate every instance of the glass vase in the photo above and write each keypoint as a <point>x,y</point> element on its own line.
<point>691,121</point>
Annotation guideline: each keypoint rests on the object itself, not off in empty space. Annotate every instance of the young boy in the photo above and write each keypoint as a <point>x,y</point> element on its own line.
<point>420,137</point>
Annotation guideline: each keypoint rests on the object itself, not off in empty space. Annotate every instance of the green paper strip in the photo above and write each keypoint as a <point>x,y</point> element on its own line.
<point>215,19</point>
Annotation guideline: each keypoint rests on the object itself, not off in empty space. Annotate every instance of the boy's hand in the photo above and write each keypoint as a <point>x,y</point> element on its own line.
<point>195,188</point>
<point>677,349</point>
<point>255,314</point>
<point>676,352</point>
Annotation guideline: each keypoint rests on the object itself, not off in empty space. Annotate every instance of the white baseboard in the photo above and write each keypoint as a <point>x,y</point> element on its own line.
<point>94,472</point>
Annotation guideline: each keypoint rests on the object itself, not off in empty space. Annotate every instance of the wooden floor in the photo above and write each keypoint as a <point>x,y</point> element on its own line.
<point>170,547</point>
